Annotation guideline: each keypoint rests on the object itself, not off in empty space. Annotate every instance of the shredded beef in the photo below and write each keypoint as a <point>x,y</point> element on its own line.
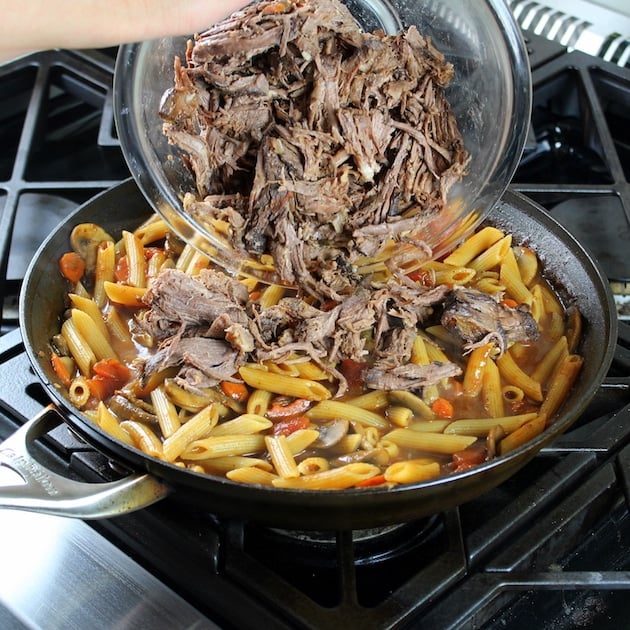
<point>475,317</point>
<point>409,376</point>
<point>208,331</point>
<point>317,142</point>
<point>204,362</point>
<point>185,305</point>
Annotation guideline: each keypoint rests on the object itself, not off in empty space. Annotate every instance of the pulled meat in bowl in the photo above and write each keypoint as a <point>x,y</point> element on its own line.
<point>314,144</point>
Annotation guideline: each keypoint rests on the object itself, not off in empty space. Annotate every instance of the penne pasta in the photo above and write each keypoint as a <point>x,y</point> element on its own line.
<point>563,378</point>
<point>491,390</point>
<point>107,421</point>
<point>223,445</point>
<point>373,400</point>
<point>473,246</point>
<point>143,437</point>
<point>282,384</point>
<point>429,442</point>
<point>92,334</point>
<point>196,428</point>
<point>512,394</point>
<point>522,435</point>
<point>104,272</point>
<point>221,465</point>
<point>258,402</point>
<point>136,262</point>
<point>399,416</point>
<point>510,277</point>
<point>79,392</point>
<point>79,348</point>
<point>492,256</point>
<point>481,426</point>
<point>244,424</point>
<point>412,471</point>
<point>312,465</point>
<point>90,307</point>
<point>332,479</point>
<point>301,439</point>
<point>123,294</point>
<point>454,276</point>
<point>330,409</point>
<point>165,411</point>
<point>251,475</point>
<point>117,327</point>
<point>151,231</point>
<point>545,367</point>
<point>513,374</point>
<point>272,295</point>
<point>281,457</point>
<point>429,426</point>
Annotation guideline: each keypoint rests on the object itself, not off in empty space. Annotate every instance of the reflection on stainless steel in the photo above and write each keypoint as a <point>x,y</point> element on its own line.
<point>579,25</point>
<point>60,573</point>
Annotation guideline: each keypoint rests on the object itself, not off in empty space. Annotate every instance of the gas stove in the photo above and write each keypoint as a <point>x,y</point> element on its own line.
<point>546,549</point>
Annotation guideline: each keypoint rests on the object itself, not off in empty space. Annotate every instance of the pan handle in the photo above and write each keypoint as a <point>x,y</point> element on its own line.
<point>47,492</point>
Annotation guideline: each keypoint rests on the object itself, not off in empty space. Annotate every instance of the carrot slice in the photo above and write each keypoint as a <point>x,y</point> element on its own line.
<point>442,408</point>
<point>235,391</point>
<point>60,370</point>
<point>72,266</point>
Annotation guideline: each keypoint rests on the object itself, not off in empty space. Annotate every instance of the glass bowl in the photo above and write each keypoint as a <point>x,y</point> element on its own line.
<point>490,95</point>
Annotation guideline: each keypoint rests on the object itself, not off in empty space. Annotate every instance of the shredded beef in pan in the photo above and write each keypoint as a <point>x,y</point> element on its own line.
<point>313,141</point>
<point>209,330</point>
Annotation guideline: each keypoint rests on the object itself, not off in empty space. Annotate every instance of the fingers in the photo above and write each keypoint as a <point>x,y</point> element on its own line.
<point>41,24</point>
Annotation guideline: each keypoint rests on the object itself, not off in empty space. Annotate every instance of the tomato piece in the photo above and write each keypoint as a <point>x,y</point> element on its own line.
<point>290,425</point>
<point>377,480</point>
<point>121,273</point>
<point>109,375</point>
<point>296,407</point>
<point>422,276</point>
<point>101,388</point>
<point>469,457</point>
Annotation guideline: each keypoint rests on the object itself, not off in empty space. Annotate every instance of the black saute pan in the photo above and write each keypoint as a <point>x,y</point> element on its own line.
<point>569,267</point>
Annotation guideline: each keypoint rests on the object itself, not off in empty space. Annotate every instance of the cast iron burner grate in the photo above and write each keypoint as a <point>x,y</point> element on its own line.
<point>545,549</point>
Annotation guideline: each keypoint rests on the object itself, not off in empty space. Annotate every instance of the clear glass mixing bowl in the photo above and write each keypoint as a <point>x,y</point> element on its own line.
<point>490,95</point>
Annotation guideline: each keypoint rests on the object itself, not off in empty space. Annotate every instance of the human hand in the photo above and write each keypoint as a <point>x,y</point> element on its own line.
<point>41,24</point>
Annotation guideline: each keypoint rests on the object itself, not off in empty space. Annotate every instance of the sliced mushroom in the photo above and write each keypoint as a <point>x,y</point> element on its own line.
<point>330,433</point>
<point>85,239</point>
<point>378,456</point>
<point>127,409</point>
